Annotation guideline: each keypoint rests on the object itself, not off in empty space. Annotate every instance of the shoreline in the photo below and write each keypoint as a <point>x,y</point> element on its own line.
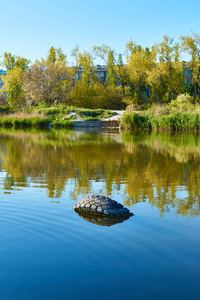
<point>177,121</point>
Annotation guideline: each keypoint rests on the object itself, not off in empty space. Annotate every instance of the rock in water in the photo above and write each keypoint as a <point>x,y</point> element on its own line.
<point>100,205</point>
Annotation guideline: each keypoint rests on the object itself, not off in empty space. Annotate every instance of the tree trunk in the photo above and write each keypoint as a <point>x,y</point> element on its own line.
<point>169,99</point>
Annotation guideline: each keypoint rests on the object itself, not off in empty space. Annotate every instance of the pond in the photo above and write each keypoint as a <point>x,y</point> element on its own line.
<point>49,252</point>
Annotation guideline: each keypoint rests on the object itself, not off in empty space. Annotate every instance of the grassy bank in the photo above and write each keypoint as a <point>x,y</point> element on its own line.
<point>175,121</point>
<point>179,114</point>
<point>60,116</point>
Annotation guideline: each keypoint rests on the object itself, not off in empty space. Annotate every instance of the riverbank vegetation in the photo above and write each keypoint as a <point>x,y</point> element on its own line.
<point>179,114</point>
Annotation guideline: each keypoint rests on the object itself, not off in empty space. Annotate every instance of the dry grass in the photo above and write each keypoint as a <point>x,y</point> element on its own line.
<point>25,115</point>
<point>132,108</point>
<point>157,110</point>
<point>171,108</point>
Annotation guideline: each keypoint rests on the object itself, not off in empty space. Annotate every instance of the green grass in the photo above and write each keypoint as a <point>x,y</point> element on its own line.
<point>27,122</point>
<point>176,121</point>
<point>179,114</point>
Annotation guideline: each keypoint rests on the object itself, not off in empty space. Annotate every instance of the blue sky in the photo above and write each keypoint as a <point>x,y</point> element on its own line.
<point>30,27</point>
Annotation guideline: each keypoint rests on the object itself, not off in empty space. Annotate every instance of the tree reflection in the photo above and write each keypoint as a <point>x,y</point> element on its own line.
<point>153,167</point>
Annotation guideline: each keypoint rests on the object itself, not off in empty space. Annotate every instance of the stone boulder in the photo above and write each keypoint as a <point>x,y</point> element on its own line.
<point>101,205</point>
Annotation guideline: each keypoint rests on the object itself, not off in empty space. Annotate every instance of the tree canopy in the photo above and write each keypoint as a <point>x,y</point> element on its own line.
<point>141,75</point>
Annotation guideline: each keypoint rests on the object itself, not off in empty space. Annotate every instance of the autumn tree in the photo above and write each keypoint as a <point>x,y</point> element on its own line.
<point>46,82</point>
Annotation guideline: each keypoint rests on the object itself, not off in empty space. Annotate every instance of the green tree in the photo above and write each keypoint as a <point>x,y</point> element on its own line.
<point>16,66</point>
<point>13,86</point>
<point>123,76</point>
<point>86,63</point>
<point>191,44</point>
<point>167,74</point>
<point>111,73</point>
<point>139,62</point>
<point>52,55</point>
<point>83,94</point>
<point>90,92</point>
<point>117,71</point>
<point>10,61</point>
<point>56,55</point>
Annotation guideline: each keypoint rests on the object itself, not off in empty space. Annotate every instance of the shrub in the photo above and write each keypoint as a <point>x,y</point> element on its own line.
<point>184,98</point>
<point>183,103</point>
<point>134,120</point>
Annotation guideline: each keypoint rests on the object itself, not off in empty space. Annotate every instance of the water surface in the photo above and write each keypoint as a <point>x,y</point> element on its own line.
<point>48,252</point>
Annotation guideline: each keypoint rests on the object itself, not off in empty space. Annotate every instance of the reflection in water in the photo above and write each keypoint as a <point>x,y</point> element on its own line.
<point>102,220</point>
<point>160,168</point>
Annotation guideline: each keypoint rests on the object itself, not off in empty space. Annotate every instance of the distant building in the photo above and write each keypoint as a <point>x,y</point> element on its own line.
<point>99,71</point>
<point>187,73</point>
<point>2,72</point>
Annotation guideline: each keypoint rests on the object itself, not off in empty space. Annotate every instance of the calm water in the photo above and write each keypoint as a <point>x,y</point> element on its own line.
<point>48,252</point>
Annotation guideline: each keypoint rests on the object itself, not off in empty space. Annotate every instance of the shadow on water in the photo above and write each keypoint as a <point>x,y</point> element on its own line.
<point>102,220</point>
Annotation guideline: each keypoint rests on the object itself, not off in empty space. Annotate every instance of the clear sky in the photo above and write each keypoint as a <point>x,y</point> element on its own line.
<point>30,27</point>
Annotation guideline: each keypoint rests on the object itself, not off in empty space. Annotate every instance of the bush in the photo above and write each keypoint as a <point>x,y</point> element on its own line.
<point>183,103</point>
<point>6,121</point>
<point>134,120</point>
<point>184,98</point>
<point>97,96</point>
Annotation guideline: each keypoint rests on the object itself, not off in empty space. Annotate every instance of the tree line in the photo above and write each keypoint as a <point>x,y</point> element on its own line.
<point>144,75</point>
